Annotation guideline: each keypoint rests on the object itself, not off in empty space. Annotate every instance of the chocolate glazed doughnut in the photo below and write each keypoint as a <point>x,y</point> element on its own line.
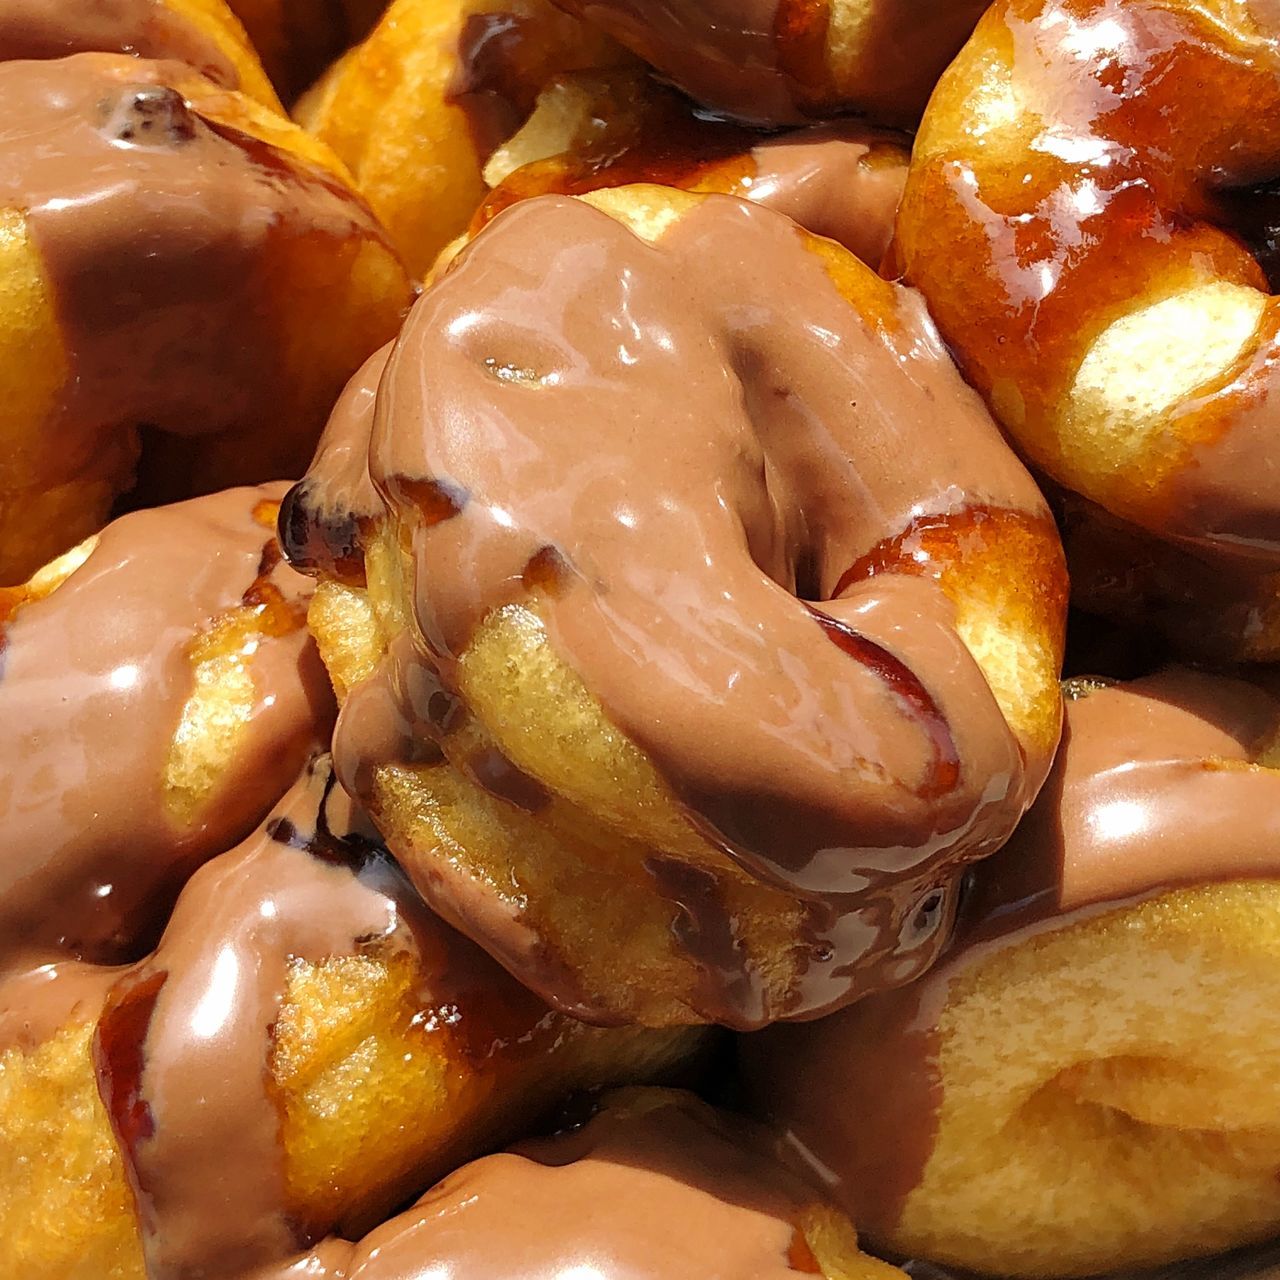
<point>202,33</point>
<point>677,686</point>
<point>181,623</point>
<point>1079,225</point>
<point>788,61</point>
<point>189,282</point>
<point>1086,1081</point>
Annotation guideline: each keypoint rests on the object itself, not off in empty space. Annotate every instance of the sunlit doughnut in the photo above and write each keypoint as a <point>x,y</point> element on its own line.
<point>700,628</point>
<point>1078,216</point>
<point>1087,1082</point>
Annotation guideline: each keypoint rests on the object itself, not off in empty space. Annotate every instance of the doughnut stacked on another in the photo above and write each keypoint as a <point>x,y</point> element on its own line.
<point>1087,1081</point>
<point>792,61</point>
<point>666,676</point>
<point>202,33</point>
<point>306,1047</point>
<point>1078,217</point>
<point>654,1186</point>
<point>188,281</point>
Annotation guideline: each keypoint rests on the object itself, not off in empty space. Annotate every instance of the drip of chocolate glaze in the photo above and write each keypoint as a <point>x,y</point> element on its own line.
<point>1154,788</point>
<point>692,438</point>
<point>39,29</point>
<point>182,1048</point>
<point>95,853</point>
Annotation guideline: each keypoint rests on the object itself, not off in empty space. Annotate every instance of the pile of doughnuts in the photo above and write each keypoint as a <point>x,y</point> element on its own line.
<point>639,641</point>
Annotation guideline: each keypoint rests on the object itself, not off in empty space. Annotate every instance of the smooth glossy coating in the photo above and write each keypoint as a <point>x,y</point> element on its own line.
<point>152,710</point>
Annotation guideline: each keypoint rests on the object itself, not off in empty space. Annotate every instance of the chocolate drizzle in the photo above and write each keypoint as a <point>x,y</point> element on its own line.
<point>100,835</point>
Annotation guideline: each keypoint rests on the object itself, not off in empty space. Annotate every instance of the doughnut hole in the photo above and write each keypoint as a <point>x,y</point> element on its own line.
<point>1109,1093</point>
<point>416,110</point>
<point>66,1210</point>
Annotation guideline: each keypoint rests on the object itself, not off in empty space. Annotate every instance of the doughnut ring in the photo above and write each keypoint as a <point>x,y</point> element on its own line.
<point>609,129</point>
<point>791,61</point>
<point>1086,1083</point>
<point>306,1047</point>
<point>182,622</point>
<point>417,109</point>
<point>205,34</point>
<point>1077,221</point>
<point>188,281</point>
<point>705,728</point>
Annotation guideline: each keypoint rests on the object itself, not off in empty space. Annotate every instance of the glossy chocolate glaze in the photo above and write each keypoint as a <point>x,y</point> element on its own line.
<point>147,28</point>
<point>659,1190</point>
<point>843,181</point>
<point>94,682</point>
<point>182,1048</point>
<point>1154,788</point>
<point>770,61</point>
<point>703,440</point>
<point>155,228</point>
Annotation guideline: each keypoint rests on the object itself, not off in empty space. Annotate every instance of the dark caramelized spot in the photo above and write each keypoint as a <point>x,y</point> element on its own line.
<point>119,1059</point>
<point>149,115</point>
<point>490,770</point>
<point>800,30</point>
<point>435,500</point>
<point>547,571</point>
<point>314,542</point>
<point>800,1256</point>
<point>906,687</point>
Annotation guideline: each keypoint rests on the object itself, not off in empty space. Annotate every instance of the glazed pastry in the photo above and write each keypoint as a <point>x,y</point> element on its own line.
<point>789,61</point>
<point>655,1186</point>
<point>418,108</point>
<point>305,1048</point>
<point>1068,219</point>
<point>608,129</point>
<point>205,34</point>
<point>182,624</point>
<point>187,277</point>
<point>1087,1081</point>
<point>664,678</point>
<point>297,39</point>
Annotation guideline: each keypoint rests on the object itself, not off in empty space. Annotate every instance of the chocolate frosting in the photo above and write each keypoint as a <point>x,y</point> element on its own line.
<point>770,61</point>
<point>94,683</point>
<point>155,227</point>
<point>182,1048</point>
<point>1155,788</point>
<point>37,29</point>
<point>660,1190</point>
<point>688,455</point>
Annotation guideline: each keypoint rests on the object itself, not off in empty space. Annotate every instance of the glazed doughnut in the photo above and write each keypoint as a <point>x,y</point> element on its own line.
<point>305,1048</point>
<point>593,130</point>
<point>790,61</point>
<point>655,1186</point>
<point>663,678</point>
<point>205,34</point>
<point>1087,1081</point>
<point>418,108</point>
<point>1069,218</point>
<point>181,623</point>
<point>182,268</point>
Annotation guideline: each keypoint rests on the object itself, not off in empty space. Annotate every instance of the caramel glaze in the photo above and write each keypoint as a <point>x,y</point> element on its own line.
<point>770,61</point>
<point>698,438</point>
<point>1116,185</point>
<point>843,181</point>
<point>1154,788</point>
<point>147,28</point>
<point>661,1190</point>
<point>94,679</point>
<point>155,227</point>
